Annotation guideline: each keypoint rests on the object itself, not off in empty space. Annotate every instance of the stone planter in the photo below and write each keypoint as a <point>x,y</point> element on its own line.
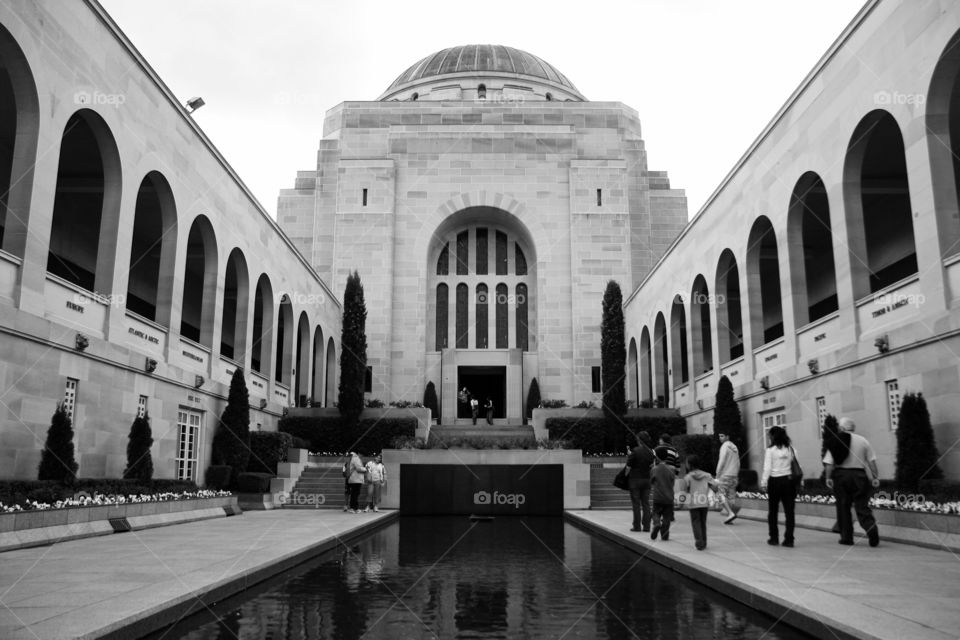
<point>927,522</point>
<point>421,414</point>
<point>540,417</point>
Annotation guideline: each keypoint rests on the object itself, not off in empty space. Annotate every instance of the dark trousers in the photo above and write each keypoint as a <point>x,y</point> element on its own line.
<point>640,499</point>
<point>698,521</point>
<point>852,489</point>
<point>781,490</point>
<point>662,517</point>
<point>355,495</point>
<point>473,414</point>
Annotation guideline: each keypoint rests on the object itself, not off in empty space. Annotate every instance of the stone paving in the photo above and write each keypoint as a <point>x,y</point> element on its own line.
<point>824,588</point>
<point>128,584</point>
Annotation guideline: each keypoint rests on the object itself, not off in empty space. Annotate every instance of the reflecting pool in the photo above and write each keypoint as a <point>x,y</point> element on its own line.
<point>449,577</point>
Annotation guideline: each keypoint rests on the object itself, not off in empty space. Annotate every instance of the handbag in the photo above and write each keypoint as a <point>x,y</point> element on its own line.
<point>620,480</point>
<point>796,471</point>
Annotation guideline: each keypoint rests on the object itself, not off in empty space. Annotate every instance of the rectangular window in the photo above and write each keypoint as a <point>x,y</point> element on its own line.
<point>599,197</point>
<point>501,251</point>
<point>775,418</point>
<point>368,380</point>
<point>463,253</point>
<point>70,396</point>
<point>481,252</point>
<point>821,413</point>
<point>595,379</point>
<point>142,406</point>
<point>893,403</point>
<point>189,424</point>
<point>364,197</point>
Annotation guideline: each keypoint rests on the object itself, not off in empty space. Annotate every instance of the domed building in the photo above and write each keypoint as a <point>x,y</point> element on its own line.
<point>485,203</point>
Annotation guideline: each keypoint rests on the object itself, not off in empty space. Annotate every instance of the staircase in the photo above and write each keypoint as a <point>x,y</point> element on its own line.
<point>603,495</point>
<point>319,487</point>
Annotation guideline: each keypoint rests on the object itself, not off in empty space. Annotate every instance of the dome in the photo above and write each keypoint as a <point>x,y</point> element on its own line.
<point>482,62</point>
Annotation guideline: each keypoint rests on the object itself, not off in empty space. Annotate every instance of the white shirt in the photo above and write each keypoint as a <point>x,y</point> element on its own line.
<point>776,463</point>
<point>861,453</point>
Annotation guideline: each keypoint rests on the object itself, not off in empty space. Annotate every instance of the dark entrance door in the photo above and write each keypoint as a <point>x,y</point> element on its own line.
<point>483,383</point>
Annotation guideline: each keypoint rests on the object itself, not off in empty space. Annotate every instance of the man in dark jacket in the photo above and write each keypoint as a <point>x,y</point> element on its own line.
<point>639,463</point>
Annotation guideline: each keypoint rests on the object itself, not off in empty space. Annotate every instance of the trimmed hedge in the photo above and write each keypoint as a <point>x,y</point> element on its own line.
<point>267,449</point>
<point>219,476</point>
<point>19,491</point>
<point>704,446</point>
<point>252,482</point>
<point>331,435</point>
<point>597,436</point>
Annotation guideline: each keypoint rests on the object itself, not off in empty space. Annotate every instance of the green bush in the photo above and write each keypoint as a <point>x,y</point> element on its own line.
<point>231,440</point>
<point>702,445</point>
<point>613,353</point>
<point>748,480</point>
<point>430,400</point>
<point>533,399</point>
<point>267,449</point>
<point>139,462</point>
<point>726,418</point>
<point>219,476</point>
<point>598,436</point>
<point>331,435</point>
<point>57,461</point>
<point>353,347</point>
<point>917,454</point>
<point>249,482</point>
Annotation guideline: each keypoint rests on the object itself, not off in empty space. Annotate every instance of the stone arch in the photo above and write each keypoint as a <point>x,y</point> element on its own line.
<point>678,342</point>
<point>763,283</point>
<point>261,352</point>
<point>302,379</point>
<point>153,250</point>
<point>646,368</point>
<point>810,245</point>
<point>729,315</point>
<point>199,283</point>
<point>661,380</point>
<point>633,383</point>
<point>702,336</point>
<point>236,295</point>
<point>330,376</point>
<point>316,367</point>
<point>283,364</point>
<point>943,129</point>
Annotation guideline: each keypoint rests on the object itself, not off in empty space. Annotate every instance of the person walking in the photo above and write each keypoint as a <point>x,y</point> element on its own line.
<point>376,478</point>
<point>639,462</point>
<point>474,409</point>
<point>345,470</point>
<point>672,455</point>
<point>779,485</point>
<point>853,475</point>
<point>698,483</point>
<point>355,478</point>
<point>489,409</point>
<point>661,494</point>
<point>728,474</point>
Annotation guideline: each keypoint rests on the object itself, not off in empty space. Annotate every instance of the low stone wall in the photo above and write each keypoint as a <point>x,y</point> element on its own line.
<point>48,526</point>
<point>421,414</point>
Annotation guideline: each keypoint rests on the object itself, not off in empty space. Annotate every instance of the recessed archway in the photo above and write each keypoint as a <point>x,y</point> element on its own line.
<point>810,236</point>
<point>152,250</point>
<point>199,283</point>
<point>700,326</point>
<point>316,368</point>
<point>943,128</point>
<point>763,281</point>
<point>260,353</point>
<point>729,319</point>
<point>236,292</point>
<point>678,340</point>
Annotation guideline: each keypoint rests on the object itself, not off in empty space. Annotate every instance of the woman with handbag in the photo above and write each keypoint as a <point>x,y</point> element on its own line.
<point>639,462</point>
<point>779,483</point>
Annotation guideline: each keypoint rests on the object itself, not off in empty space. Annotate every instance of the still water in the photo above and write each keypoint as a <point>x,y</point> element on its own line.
<point>448,577</point>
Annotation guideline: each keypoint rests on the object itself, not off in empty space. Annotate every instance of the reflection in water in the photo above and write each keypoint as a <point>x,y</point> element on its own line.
<point>447,577</point>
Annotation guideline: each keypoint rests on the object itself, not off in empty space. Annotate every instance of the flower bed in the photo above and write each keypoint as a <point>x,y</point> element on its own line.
<point>897,502</point>
<point>83,499</point>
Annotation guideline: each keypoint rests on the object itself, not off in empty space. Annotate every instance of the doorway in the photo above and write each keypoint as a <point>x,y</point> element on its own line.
<point>483,382</point>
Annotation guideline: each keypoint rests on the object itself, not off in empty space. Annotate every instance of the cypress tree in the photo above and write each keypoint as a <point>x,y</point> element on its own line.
<point>353,359</point>
<point>613,353</point>
<point>533,399</point>
<point>917,454</point>
<point>57,461</point>
<point>430,400</point>
<point>139,461</point>
<point>231,442</point>
<point>726,417</point>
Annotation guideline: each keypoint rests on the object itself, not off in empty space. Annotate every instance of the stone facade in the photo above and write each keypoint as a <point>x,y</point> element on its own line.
<point>866,313</point>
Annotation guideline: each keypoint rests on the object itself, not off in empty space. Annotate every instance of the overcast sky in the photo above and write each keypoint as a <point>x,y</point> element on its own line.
<point>705,76</point>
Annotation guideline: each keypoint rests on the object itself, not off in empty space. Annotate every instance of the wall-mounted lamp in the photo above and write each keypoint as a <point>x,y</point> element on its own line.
<point>765,382</point>
<point>700,404</point>
<point>198,382</point>
<point>194,103</point>
<point>150,365</point>
<point>814,365</point>
<point>882,343</point>
<point>81,342</point>
<point>263,403</point>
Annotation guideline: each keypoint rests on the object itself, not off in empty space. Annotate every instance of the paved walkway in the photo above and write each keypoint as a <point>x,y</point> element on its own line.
<point>824,588</point>
<point>126,585</point>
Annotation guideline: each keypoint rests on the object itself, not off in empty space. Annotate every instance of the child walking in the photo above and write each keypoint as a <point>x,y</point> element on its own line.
<point>698,483</point>
<point>661,494</point>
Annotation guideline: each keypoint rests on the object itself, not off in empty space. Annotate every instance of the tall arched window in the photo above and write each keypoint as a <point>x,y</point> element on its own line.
<point>729,317</point>
<point>700,324</point>
<point>502,318</point>
<point>463,336</point>
<point>316,369</point>
<point>482,323</point>
<point>302,381</point>
<point>443,262</point>
<point>443,303</point>
<point>763,278</point>
<point>523,330</point>
<point>331,374</point>
<point>661,381</point>
<point>284,357</point>
<point>943,127</point>
<point>633,384</point>
<point>262,326</point>
<point>879,215</point>
<point>233,332</point>
<point>811,260</point>
<point>678,338</point>
<point>199,283</point>
<point>646,368</point>
<point>152,250</point>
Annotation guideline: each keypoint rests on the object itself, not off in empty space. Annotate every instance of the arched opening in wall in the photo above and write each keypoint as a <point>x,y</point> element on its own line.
<point>463,332</point>
<point>443,321</point>
<point>482,322</point>
<point>810,242</point>
<point>879,215</point>
<point>943,127</point>
<point>633,384</point>
<point>501,317</point>
<point>482,92</point>
<point>662,376</point>
<point>152,250</point>
<point>302,380</point>
<point>284,354</point>
<point>19,127</point>
<point>763,281</point>
<point>443,261</point>
<point>260,352</point>
<point>316,368</point>
<point>646,368</point>
<point>700,326</point>
<point>729,319</point>
<point>199,283</point>
<point>678,339</point>
<point>86,204</point>
<point>331,374</point>
<point>523,318</point>
<point>236,292</point>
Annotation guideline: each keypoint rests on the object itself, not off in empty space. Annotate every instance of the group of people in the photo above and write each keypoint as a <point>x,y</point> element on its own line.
<point>356,475</point>
<point>655,482</point>
<point>468,398</point>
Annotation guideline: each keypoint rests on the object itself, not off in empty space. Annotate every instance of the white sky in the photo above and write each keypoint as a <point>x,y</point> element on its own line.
<point>705,76</point>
